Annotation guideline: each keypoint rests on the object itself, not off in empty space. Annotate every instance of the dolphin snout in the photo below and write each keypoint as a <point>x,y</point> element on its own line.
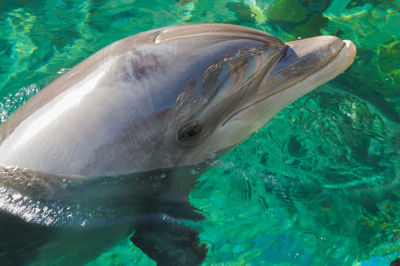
<point>302,59</point>
<point>325,48</point>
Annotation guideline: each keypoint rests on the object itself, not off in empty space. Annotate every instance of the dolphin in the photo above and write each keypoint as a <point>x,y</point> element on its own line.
<point>115,145</point>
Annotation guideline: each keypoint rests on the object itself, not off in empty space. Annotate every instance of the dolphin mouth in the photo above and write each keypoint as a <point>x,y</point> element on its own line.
<point>303,72</point>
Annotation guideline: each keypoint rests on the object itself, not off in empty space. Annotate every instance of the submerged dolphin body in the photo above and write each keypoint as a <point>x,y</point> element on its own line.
<point>117,143</point>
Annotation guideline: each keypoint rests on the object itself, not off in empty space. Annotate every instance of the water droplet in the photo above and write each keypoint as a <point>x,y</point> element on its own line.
<point>62,71</point>
<point>157,39</point>
<point>193,172</point>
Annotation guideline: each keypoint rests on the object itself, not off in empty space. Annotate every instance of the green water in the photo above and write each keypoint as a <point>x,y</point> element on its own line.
<point>319,185</point>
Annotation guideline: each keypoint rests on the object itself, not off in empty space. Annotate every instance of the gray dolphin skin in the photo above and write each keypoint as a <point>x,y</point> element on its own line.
<point>115,145</point>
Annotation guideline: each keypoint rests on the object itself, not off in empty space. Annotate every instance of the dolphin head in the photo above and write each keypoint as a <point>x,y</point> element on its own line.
<point>253,77</point>
<point>167,97</point>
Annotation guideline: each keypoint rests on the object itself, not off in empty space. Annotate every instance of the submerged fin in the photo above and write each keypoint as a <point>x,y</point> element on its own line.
<point>176,209</point>
<point>169,242</point>
<point>19,240</point>
<point>395,263</point>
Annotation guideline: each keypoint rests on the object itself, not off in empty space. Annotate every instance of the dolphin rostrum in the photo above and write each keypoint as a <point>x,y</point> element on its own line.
<point>115,145</point>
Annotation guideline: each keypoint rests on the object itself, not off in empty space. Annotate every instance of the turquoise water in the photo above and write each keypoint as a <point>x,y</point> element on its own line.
<point>319,185</point>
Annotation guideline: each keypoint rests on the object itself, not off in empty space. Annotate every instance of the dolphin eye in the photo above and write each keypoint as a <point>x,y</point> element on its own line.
<point>189,133</point>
